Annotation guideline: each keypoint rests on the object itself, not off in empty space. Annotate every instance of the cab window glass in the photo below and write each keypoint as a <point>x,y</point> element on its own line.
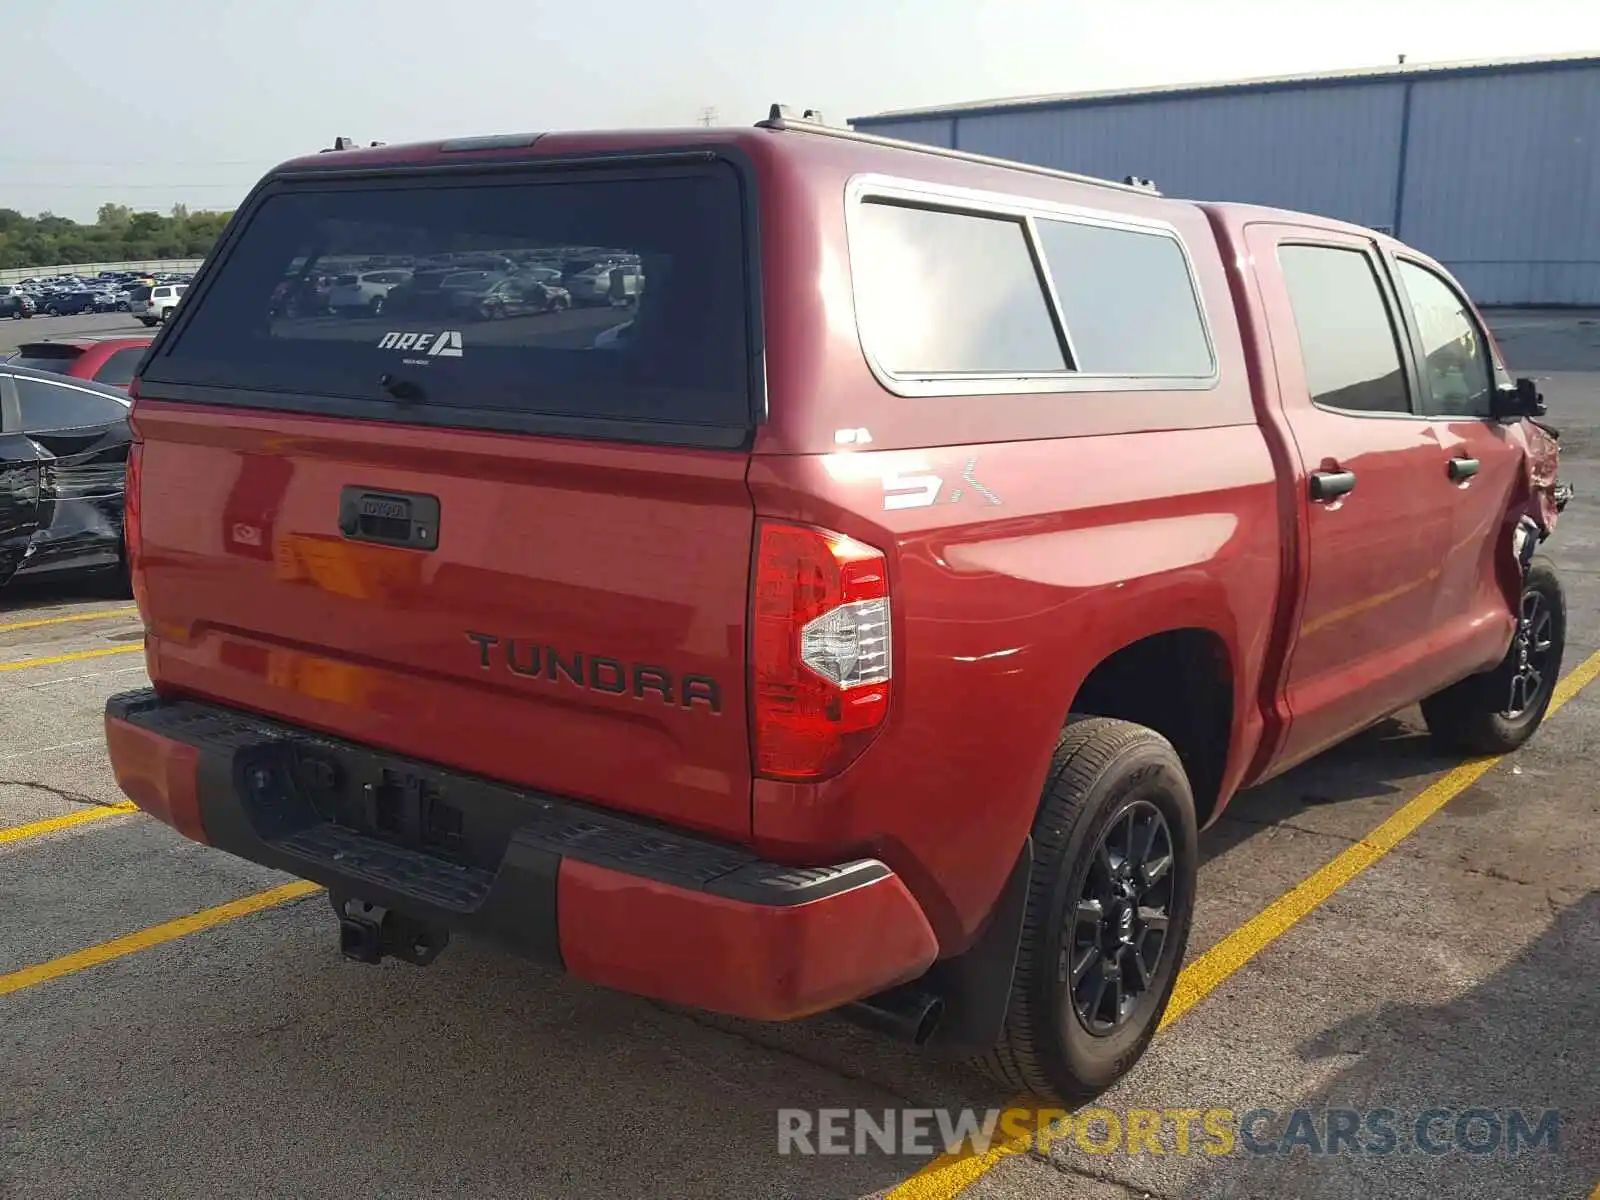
<point>1347,341</point>
<point>1455,365</point>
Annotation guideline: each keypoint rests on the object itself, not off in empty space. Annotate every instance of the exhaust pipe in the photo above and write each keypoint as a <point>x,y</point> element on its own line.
<point>907,1013</point>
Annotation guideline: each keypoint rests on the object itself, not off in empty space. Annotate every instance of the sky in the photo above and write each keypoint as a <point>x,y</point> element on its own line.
<point>183,101</point>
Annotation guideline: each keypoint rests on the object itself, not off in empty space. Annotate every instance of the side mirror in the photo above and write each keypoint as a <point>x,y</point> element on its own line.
<point>1520,399</point>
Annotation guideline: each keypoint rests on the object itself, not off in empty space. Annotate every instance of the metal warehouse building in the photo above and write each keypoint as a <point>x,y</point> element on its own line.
<point>1491,167</point>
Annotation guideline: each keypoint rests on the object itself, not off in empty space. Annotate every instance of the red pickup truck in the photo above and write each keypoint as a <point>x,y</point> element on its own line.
<point>864,609</point>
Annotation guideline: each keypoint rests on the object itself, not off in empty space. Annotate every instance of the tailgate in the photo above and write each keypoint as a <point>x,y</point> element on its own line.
<point>364,526</point>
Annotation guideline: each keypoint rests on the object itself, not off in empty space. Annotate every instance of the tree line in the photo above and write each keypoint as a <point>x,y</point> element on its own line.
<point>119,234</point>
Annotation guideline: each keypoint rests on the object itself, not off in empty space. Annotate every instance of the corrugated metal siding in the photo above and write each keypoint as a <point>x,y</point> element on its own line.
<point>1501,180</point>
<point>1502,184</point>
<point>932,132</point>
<point>1336,149</point>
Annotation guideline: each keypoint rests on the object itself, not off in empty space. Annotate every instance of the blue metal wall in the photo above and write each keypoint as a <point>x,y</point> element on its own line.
<point>1496,175</point>
<point>1502,184</point>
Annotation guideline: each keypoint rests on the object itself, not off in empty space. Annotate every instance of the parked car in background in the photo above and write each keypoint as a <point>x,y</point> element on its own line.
<point>364,292</point>
<point>495,298</point>
<point>616,284</point>
<point>70,304</point>
<point>63,460</point>
<point>15,303</point>
<point>153,305</point>
<point>107,360</point>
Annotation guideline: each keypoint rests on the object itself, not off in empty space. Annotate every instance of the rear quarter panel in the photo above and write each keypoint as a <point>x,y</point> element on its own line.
<point>1064,526</point>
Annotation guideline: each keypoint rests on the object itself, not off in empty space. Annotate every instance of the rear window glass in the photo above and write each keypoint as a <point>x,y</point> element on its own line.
<point>142,292</point>
<point>118,369</point>
<point>950,293</point>
<point>466,326</point>
<point>1127,299</point>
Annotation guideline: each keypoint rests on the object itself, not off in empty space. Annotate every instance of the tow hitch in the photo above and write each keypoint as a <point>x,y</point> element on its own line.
<point>368,932</point>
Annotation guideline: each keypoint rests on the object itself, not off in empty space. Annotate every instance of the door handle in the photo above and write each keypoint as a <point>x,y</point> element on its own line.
<point>1330,485</point>
<point>1462,468</point>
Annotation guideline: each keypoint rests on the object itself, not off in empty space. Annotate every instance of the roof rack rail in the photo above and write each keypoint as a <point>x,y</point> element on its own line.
<point>782,112</point>
<point>781,117</point>
<point>344,143</point>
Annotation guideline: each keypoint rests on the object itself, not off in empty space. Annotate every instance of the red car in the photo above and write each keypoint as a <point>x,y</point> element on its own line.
<point>108,360</point>
<point>870,615</point>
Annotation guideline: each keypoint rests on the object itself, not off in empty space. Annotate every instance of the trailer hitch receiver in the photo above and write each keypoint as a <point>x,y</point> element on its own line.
<point>370,932</point>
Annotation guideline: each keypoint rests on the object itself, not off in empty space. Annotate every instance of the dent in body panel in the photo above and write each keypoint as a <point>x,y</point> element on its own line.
<point>78,517</point>
<point>1003,611</point>
<point>19,500</point>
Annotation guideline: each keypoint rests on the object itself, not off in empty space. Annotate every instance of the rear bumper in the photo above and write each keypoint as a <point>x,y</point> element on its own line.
<point>617,901</point>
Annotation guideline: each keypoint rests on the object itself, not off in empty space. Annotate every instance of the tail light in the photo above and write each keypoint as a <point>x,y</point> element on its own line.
<point>821,658</point>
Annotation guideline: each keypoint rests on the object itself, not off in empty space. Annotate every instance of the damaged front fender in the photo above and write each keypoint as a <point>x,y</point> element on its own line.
<point>1547,494</point>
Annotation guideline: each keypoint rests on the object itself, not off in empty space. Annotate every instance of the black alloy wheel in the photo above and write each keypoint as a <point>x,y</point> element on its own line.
<point>1111,955</point>
<point>1530,650</point>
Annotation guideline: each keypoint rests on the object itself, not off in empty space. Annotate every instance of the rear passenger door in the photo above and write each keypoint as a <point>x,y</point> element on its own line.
<point>1373,530</point>
<point>1482,461</point>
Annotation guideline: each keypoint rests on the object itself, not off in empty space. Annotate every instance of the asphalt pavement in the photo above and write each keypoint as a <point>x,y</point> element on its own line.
<point>1458,971</point>
<point>41,328</point>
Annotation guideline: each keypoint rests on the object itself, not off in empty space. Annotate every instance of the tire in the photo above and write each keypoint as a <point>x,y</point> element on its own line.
<point>1481,714</point>
<point>117,583</point>
<point>166,315</point>
<point>1106,776</point>
<point>16,314</point>
<point>52,311</point>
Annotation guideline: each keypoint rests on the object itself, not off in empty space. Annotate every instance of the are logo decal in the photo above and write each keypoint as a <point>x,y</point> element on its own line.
<point>446,344</point>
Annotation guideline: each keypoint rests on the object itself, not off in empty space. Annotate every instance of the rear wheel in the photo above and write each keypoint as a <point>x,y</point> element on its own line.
<point>1496,711</point>
<point>1109,907</point>
<point>166,315</point>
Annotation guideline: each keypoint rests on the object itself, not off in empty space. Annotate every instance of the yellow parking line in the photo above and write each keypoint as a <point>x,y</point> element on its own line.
<point>154,936</point>
<point>18,833</point>
<point>23,664</point>
<point>83,616</point>
<point>950,1174</point>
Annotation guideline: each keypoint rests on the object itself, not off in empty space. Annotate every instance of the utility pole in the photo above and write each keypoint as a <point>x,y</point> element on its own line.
<point>708,116</point>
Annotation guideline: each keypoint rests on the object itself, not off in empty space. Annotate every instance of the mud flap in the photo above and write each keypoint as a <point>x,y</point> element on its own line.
<point>976,985</point>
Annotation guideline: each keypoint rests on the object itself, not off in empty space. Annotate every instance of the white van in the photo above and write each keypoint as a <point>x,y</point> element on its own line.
<point>153,305</point>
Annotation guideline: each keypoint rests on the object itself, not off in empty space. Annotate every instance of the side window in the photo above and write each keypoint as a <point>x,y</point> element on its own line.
<point>1347,338</point>
<point>1456,361</point>
<point>119,368</point>
<point>943,292</point>
<point>1127,300</point>
<point>49,406</point>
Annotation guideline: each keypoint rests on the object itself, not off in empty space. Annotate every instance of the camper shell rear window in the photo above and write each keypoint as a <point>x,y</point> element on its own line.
<point>542,300</point>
